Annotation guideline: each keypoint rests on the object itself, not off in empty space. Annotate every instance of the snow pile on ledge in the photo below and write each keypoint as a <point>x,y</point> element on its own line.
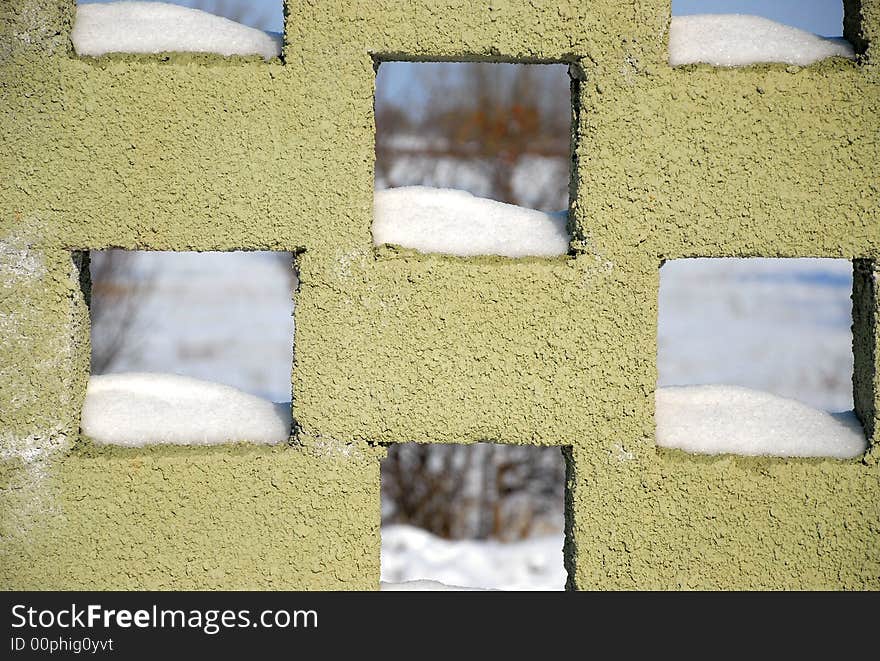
<point>423,586</point>
<point>454,222</point>
<point>719,419</point>
<point>416,558</point>
<point>730,40</point>
<point>159,27</point>
<point>137,409</point>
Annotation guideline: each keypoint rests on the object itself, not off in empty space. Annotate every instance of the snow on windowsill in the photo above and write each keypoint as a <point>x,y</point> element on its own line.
<point>137,409</point>
<point>732,40</point>
<point>159,27</point>
<point>724,40</point>
<point>454,222</point>
<point>415,559</point>
<point>424,586</point>
<point>720,419</point>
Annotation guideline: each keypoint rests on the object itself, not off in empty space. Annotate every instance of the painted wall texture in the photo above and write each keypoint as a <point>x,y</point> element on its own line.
<point>187,152</point>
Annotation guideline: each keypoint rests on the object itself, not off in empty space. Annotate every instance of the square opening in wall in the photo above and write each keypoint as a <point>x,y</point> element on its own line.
<point>755,358</point>
<point>729,33</point>
<point>222,27</point>
<point>483,515</point>
<point>473,158</point>
<point>190,348</point>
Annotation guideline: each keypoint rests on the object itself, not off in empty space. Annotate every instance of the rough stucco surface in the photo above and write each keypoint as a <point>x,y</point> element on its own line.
<point>188,152</point>
<point>866,344</point>
<point>238,517</point>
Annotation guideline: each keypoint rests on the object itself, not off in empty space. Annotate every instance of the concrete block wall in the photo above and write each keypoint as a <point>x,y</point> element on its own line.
<point>195,152</point>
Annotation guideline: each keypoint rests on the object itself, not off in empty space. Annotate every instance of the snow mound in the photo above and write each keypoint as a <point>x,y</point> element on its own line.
<point>159,27</point>
<point>716,419</point>
<point>137,409</point>
<point>416,558</point>
<point>423,586</point>
<point>718,318</point>
<point>454,222</point>
<point>731,40</point>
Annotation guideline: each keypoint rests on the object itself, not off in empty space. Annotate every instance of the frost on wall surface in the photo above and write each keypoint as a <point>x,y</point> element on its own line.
<point>41,26</point>
<point>43,323</point>
<point>770,160</point>
<point>42,313</point>
<point>243,517</point>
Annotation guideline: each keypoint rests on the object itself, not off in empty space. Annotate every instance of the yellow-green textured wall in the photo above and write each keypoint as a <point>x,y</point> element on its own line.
<point>185,152</point>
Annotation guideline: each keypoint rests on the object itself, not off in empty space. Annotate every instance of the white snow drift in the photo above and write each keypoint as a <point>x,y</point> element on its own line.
<point>415,559</point>
<point>159,27</point>
<point>423,586</point>
<point>156,27</point>
<point>730,40</point>
<point>136,409</point>
<point>716,419</point>
<point>454,222</point>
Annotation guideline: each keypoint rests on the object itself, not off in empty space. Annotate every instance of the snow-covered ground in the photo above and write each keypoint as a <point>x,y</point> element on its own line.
<point>778,325</point>
<point>159,27</point>
<point>538,182</point>
<point>410,554</point>
<point>224,317</point>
